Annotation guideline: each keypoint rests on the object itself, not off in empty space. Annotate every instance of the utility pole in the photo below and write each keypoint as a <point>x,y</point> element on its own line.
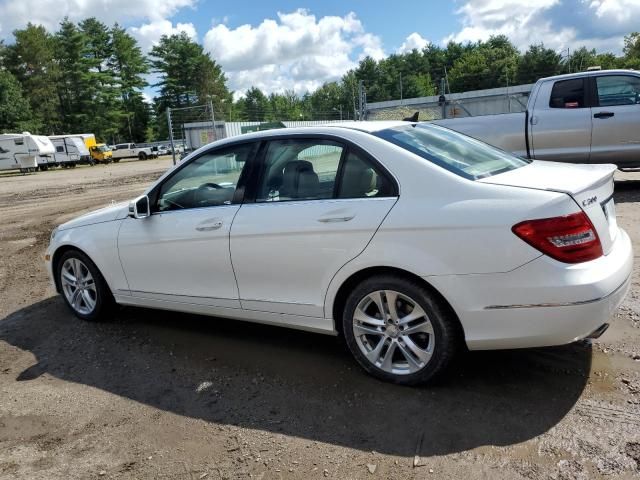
<point>173,147</point>
<point>213,120</point>
<point>442,99</point>
<point>400,88</point>
<point>360,100</point>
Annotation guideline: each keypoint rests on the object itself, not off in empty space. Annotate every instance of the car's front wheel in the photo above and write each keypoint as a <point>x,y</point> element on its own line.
<point>398,330</point>
<point>83,287</point>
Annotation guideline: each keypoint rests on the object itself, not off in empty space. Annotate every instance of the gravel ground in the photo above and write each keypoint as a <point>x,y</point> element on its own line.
<point>166,395</point>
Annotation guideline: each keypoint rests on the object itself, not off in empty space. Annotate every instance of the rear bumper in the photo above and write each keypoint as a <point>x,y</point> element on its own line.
<point>542,303</point>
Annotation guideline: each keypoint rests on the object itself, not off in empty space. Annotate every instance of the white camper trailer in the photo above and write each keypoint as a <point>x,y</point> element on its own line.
<point>70,150</point>
<point>20,151</point>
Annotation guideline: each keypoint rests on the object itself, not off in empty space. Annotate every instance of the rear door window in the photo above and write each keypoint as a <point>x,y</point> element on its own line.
<point>568,94</point>
<point>299,169</point>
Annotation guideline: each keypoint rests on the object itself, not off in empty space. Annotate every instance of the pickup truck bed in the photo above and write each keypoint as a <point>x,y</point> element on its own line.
<point>587,117</point>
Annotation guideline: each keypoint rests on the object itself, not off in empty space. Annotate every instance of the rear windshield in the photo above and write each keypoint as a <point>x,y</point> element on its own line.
<point>460,154</point>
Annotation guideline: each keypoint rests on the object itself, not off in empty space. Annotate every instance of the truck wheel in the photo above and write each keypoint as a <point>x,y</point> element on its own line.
<point>72,165</point>
<point>44,168</point>
<point>117,160</point>
<point>142,156</point>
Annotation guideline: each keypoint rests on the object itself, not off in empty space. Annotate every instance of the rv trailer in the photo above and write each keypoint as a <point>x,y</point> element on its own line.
<point>20,151</point>
<point>70,150</point>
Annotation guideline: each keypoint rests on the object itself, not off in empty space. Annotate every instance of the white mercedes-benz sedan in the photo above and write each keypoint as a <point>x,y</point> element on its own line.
<point>409,240</point>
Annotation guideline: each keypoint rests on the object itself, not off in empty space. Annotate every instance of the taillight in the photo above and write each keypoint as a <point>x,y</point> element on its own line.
<point>570,239</point>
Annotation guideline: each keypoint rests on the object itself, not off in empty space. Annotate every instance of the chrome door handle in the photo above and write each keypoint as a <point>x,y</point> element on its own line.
<point>208,228</point>
<point>335,219</point>
<point>603,115</point>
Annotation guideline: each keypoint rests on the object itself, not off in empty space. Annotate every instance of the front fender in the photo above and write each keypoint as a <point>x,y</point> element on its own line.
<point>100,243</point>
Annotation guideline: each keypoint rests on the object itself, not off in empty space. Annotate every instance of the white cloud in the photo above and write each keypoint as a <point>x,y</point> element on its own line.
<point>559,24</point>
<point>149,34</point>
<point>296,51</point>
<point>16,13</point>
<point>415,41</point>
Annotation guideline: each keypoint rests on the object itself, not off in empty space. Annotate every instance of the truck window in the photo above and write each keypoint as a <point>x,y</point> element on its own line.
<point>568,94</point>
<point>618,90</point>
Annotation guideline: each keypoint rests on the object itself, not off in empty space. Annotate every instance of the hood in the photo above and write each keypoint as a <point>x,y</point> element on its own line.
<point>115,211</point>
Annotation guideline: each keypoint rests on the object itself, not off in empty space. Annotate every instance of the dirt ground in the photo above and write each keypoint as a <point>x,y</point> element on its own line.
<point>155,395</point>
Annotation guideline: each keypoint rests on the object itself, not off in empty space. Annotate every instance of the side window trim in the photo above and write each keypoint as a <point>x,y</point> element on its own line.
<point>340,172</point>
<point>238,195</point>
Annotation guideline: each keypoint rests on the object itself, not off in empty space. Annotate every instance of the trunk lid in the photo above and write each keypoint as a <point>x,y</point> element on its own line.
<point>590,186</point>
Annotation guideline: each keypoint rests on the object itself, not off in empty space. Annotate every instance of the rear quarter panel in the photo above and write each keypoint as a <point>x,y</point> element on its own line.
<point>443,224</point>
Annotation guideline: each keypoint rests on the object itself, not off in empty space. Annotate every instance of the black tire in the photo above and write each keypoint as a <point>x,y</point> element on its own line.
<point>446,331</point>
<point>117,160</point>
<point>142,156</point>
<point>104,301</point>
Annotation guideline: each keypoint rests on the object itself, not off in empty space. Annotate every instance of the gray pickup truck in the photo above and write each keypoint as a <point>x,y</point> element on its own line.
<point>588,117</point>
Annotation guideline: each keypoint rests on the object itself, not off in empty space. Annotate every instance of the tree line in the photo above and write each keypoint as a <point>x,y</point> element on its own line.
<point>89,77</point>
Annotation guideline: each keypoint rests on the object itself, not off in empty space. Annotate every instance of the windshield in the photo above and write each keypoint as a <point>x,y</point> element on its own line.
<point>102,148</point>
<point>453,151</point>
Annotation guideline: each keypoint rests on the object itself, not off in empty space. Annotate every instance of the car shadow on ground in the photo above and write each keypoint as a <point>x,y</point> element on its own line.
<point>627,191</point>
<point>298,383</point>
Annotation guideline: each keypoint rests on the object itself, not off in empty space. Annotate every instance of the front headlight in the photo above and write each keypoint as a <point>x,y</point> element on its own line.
<point>53,234</point>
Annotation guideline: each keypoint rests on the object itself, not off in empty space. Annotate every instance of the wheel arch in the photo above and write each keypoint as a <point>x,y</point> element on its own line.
<point>340,298</point>
<point>55,260</point>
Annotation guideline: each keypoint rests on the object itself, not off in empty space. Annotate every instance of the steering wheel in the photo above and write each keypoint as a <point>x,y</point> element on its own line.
<point>198,196</point>
<point>209,185</point>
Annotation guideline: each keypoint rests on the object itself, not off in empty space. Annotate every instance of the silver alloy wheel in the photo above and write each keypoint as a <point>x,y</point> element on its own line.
<point>393,332</point>
<point>78,286</point>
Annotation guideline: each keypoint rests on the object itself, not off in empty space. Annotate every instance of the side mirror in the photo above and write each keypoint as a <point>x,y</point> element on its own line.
<point>140,208</point>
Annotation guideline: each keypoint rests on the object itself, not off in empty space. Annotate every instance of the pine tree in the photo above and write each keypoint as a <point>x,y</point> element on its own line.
<point>31,60</point>
<point>129,66</point>
<point>15,113</point>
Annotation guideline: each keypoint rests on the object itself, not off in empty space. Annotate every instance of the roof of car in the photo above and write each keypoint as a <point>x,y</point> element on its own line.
<point>329,128</point>
<point>568,76</point>
<point>369,126</point>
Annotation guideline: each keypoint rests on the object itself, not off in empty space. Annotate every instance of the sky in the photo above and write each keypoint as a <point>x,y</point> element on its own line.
<point>285,44</point>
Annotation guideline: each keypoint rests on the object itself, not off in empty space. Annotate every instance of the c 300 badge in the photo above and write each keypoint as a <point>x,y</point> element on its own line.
<point>589,201</point>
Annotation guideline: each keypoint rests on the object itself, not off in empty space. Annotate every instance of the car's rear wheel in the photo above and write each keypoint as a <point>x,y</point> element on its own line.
<point>398,330</point>
<point>142,156</point>
<point>83,287</point>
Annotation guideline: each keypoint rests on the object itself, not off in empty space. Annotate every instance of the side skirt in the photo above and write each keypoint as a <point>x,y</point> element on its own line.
<point>311,324</point>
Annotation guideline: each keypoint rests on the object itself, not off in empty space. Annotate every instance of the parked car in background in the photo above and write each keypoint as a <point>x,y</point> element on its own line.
<point>131,150</point>
<point>160,150</point>
<point>588,117</point>
<point>23,151</point>
<point>410,240</point>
